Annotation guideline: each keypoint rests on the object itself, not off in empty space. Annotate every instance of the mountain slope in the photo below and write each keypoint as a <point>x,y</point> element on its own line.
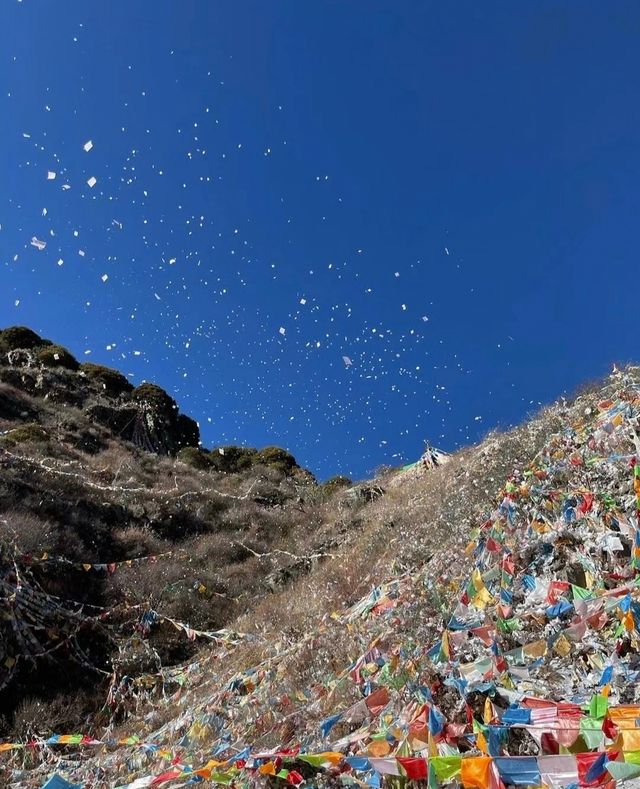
<point>108,511</point>
<point>475,623</point>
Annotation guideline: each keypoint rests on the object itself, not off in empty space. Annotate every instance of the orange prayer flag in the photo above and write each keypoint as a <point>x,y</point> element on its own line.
<point>267,769</point>
<point>474,772</point>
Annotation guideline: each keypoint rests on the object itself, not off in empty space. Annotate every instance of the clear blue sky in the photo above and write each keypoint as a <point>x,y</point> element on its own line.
<point>444,193</point>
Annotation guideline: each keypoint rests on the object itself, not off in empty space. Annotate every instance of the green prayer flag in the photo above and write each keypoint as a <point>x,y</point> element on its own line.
<point>478,727</point>
<point>445,767</point>
<point>221,778</point>
<point>598,706</point>
<point>621,771</point>
<point>580,594</point>
<point>508,625</point>
<point>591,731</point>
<point>314,761</point>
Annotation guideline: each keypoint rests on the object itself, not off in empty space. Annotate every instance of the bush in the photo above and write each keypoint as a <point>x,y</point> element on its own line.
<point>31,431</point>
<point>194,457</point>
<point>337,482</point>
<point>63,713</point>
<point>277,458</point>
<point>26,530</point>
<point>89,441</point>
<point>14,405</point>
<point>135,541</point>
<point>113,382</point>
<point>268,495</point>
<point>233,459</point>
<point>16,337</point>
<point>57,356</point>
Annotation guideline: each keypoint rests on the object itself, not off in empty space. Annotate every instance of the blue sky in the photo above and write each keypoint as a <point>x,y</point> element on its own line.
<point>340,227</point>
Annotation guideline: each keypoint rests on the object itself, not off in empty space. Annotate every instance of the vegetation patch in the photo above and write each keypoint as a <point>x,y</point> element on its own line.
<point>57,356</point>
<point>29,432</point>
<point>16,337</point>
<point>196,458</point>
<point>111,381</point>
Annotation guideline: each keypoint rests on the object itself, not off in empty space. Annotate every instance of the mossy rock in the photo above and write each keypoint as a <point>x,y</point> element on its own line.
<point>110,381</point>
<point>194,457</point>
<point>29,432</point>
<point>15,337</point>
<point>164,429</point>
<point>278,458</point>
<point>188,432</point>
<point>57,356</point>
<point>156,397</point>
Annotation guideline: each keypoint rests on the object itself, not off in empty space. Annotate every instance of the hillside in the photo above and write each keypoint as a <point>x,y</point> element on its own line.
<point>114,524</point>
<point>470,623</point>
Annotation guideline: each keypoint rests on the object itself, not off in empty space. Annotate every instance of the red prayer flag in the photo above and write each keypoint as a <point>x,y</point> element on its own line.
<point>415,768</point>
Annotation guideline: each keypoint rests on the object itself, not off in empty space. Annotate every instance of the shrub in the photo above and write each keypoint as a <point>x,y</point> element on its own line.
<point>13,404</point>
<point>213,549</point>
<point>194,457</point>
<point>113,382</point>
<point>16,337</point>
<point>28,531</point>
<point>31,431</point>
<point>175,525</point>
<point>278,458</point>
<point>88,441</point>
<point>57,356</point>
<point>268,495</point>
<point>135,541</point>
<point>62,713</point>
<point>233,459</point>
<point>339,481</point>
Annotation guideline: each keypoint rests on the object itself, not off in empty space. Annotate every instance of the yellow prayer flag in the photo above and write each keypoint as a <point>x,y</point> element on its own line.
<point>562,646</point>
<point>483,598</point>
<point>481,742</point>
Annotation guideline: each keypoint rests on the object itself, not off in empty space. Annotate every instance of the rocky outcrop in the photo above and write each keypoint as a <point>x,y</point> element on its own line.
<point>145,415</point>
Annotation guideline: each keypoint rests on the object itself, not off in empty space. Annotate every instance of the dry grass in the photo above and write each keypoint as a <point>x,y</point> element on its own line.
<point>261,549</point>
